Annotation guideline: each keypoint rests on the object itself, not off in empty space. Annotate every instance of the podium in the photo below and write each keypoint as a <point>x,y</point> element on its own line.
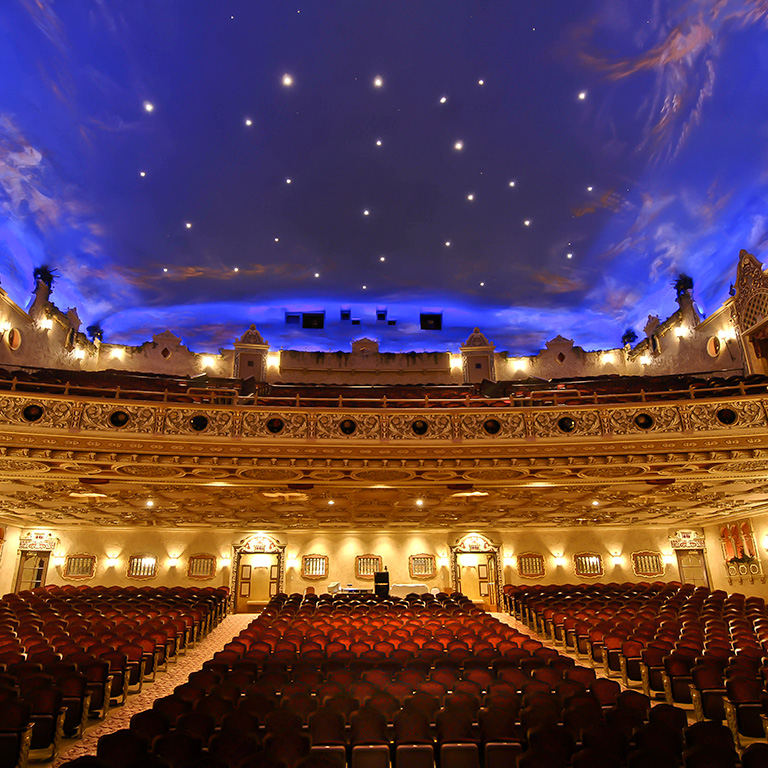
<point>381,583</point>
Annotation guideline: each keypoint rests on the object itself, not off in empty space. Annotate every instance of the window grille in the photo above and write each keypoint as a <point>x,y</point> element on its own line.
<point>588,564</point>
<point>314,566</point>
<point>80,566</point>
<point>422,566</point>
<point>367,565</point>
<point>201,567</point>
<point>530,565</point>
<point>647,564</point>
<point>142,566</point>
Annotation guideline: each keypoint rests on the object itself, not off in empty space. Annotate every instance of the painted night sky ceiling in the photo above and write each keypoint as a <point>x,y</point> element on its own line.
<point>532,167</point>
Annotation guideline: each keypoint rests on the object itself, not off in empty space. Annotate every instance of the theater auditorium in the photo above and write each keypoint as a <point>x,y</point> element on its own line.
<point>383,385</point>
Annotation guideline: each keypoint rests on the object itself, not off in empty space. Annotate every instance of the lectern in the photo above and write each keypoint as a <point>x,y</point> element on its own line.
<point>381,583</point>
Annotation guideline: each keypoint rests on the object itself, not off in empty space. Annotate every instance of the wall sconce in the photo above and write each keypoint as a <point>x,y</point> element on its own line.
<point>644,359</point>
<point>5,327</point>
<point>58,560</point>
<point>79,354</point>
<point>273,360</point>
<point>728,334</point>
<point>519,364</point>
<point>46,324</point>
<point>681,331</point>
<point>118,353</point>
<point>668,559</point>
<point>608,358</point>
<point>559,560</point>
<point>456,361</point>
<point>112,561</point>
<point>206,361</point>
<point>443,561</point>
<point>509,561</point>
<point>617,559</point>
<point>293,562</point>
<point>225,562</point>
<point>173,561</point>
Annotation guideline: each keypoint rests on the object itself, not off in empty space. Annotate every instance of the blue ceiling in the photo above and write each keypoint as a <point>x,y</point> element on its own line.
<point>634,133</point>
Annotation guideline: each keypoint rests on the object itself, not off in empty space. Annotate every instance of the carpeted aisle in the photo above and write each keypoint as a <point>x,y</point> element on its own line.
<point>176,674</point>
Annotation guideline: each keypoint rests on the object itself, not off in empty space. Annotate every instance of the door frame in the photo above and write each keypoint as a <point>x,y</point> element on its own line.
<point>258,543</point>
<point>705,565</point>
<point>477,544</point>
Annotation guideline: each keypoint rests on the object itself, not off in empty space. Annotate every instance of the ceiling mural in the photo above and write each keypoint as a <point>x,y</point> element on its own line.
<point>342,169</point>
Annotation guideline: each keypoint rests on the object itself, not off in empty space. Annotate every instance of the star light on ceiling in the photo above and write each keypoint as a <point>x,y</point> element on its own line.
<point>236,269</point>
<point>287,80</point>
<point>149,106</point>
<point>165,269</point>
<point>589,189</point>
<point>142,174</point>
<point>378,142</point>
<point>366,212</point>
<point>568,255</point>
<point>511,183</point>
<point>447,243</point>
<point>482,285</point>
<point>378,81</point>
<point>527,223</point>
<point>288,181</point>
<point>317,274</point>
<point>188,225</point>
<point>481,82</point>
<point>443,99</point>
<point>365,287</point>
<point>248,122</point>
<point>582,95</point>
<point>277,239</point>
<point>470,197</point>
<point>382,258</point>
<point>458,146</point>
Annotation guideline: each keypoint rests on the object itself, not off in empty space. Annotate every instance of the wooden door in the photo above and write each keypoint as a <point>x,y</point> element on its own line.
<point>257,578</point>
<point>33,568</point>
<point>693,567</point>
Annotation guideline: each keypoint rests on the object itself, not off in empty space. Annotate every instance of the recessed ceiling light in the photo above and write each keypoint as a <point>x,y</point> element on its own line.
<point>331,502</point>
<point>419,502</point>
<point>150,503</point>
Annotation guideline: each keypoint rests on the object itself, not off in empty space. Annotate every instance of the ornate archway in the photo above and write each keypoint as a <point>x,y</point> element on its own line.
<point>475,569</point>
<point>241,574</point>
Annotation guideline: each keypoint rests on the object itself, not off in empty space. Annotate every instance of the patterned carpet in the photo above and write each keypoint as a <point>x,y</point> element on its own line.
<point>176,674</point>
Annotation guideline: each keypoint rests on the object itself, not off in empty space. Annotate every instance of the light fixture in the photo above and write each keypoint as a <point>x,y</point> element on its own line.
<point>188,224</point>
<point>443,561</point>
<point>149,106</point>
<point>443,99</point>
<point>644,359</point>
<point>142,174</point>
<point>608,358</point>
<point>46,323</point>
<point>273,360</point>
<point>225,562</point>
<point>559,560</point>
<point>293,562</point>
<point>378,81</point>
<point>582,96</point>
<point>58,560</point>
<point>681,331</point>
<point>595,503</point>
<point>456,361</point>
<point>287,80</point>
<point>112,561</point>
<point>173,561</point>
<point>419,502</point>
<point>150,503</point>
<point>668,559</point>
<point>248,121</point>
<point>518,363</point>
<point>79,354</point>
<point>206,361</point>
<point>458,146</point>
<point>511,183</point>
<point>617,559</point>
<point>118,353</point>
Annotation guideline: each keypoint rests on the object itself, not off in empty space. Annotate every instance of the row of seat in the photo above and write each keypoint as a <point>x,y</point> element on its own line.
<point>283,707</point>
<point>689,645</point>
<point>67,653</point>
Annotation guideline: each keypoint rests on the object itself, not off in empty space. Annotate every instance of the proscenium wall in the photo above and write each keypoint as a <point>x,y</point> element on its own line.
<point>341,549</point>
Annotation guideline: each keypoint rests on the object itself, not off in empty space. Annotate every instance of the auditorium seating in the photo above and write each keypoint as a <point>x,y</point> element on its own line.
<point>305,681</point>
<point>68,653</point>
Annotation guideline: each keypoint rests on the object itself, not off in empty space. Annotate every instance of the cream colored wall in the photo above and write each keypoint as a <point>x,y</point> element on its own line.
<point>162,544</point>
<point>9,559</point>
<point>567,542</point>
<point>394,548</point>
<point>717,571</point>
<point>341,548</point>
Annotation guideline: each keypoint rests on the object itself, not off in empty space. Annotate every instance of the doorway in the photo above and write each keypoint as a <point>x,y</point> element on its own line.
<point>476,571</point>
<point>256,581</point>
<point>693,567</point>
<point>33,569</point>
<point>258,570</point>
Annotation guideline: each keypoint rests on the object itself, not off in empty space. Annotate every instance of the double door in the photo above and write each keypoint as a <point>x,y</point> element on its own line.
<point>257,581</point>
<point>476,577</point>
